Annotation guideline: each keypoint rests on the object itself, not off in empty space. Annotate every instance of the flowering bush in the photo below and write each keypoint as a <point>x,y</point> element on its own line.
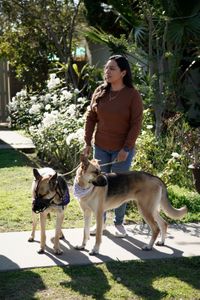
<point>54,120</point>
<point>166,157</point>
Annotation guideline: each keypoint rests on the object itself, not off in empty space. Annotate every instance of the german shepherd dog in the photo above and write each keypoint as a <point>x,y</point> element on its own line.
<point>49,193</point>
<point>98,192</point>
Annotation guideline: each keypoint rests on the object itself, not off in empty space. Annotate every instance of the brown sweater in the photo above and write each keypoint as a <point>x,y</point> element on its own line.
<point>116,120</point>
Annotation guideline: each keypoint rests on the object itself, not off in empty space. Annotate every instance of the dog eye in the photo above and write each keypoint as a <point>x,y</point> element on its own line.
<point>96,172</point>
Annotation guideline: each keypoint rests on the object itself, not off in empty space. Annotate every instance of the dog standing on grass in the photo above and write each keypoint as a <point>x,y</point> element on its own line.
<point>49,193</point>
<point>99,192</point>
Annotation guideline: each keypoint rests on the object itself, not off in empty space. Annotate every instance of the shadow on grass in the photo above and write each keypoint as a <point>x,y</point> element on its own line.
<point>96,281</point>
<point>13,158</point>
<point>86,279</point>
<point>138,276</point>
<point>21,284</point>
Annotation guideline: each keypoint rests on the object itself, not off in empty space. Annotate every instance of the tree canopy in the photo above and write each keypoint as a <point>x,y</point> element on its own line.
<point>35,32</point>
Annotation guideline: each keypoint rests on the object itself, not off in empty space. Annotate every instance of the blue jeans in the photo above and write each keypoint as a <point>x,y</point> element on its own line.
<point>108,156</point>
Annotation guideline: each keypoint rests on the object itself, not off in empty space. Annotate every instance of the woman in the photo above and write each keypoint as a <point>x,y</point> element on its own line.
<point>115,118</point>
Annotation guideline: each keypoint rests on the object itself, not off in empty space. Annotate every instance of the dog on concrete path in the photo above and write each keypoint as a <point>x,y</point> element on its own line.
<point>49,193</point>
<point>99,192</point>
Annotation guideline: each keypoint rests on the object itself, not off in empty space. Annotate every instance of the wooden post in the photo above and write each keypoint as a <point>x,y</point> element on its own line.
<point>4,90</point>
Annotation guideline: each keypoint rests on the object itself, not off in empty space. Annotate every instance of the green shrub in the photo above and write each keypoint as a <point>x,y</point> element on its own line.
<point>167,157</point>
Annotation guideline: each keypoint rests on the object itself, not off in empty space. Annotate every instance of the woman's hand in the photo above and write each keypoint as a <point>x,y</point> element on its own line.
<point>87,150</point>
<point>122,155</point>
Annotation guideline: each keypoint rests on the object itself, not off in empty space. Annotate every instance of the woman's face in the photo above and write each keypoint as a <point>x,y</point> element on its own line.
<point>112,72</point>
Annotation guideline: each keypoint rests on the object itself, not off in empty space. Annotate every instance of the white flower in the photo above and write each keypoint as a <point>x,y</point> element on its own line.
<point>13,104</point>
<point>71,111</point>
<point>66,95</point>
<point>42,98</point>
<point>191,166</point>
<point>55,99</point>
<point>76,91</point>
<point>175,155</point>
<point>50,118</point>
<point>65,130</point>
<point>33,129</point>
<point>22,93</point>
<point>33,99</point>
<point>48,107</point>
<point>69,138</point>
<point>149,126</point>
<point>81,99</point>
<point>53,82</point>
<point>47,98</point>
<point>52,76</point>
<point>78,136</point>
<point>35,109</point>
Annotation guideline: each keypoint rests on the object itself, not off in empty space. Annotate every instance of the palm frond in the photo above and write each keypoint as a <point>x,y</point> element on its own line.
<point>140,33</point>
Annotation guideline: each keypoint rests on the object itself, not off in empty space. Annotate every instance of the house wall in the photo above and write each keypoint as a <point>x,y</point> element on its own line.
<point>97,54</point>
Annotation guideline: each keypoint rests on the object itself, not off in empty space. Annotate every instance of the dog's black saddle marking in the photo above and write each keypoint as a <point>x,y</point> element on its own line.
<point>118,183</point>
<point>101,180</point>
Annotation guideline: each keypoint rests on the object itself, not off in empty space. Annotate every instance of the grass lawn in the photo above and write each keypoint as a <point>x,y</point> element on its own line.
<point>153,279</point>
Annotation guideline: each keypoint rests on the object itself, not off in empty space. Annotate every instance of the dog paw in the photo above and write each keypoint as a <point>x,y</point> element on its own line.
<point>94,252</point>
<point>146,248</point>
<point>81,247</point>
<point>31,239</point>
<point>62,237</point>
<point>41,251</point>
<point>58,251</point>
<point>160,243</point>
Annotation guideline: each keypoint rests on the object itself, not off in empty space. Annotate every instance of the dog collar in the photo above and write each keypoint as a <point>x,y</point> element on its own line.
<point>80,192</point>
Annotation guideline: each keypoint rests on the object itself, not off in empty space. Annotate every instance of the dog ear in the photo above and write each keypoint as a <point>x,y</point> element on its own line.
<point>36,174</point>
<point>100,181</point>
<point>53,181</point>
<point>84,160</point>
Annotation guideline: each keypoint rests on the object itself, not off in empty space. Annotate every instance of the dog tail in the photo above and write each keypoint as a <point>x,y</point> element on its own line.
<point>172,212</point>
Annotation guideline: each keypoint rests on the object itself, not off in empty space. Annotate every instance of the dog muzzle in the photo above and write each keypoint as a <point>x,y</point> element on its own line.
<point>40,204</point>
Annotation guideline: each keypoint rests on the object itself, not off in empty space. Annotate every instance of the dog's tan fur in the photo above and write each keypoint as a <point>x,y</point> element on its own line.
<point>44,185</point>
<point>148,191</point>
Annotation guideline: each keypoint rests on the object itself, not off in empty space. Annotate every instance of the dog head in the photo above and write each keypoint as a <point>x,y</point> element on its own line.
<point>44,188</point>
<point>89,169</point>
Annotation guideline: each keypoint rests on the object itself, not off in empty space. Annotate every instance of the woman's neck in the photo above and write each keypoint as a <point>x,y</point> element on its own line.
<point>117,86</point>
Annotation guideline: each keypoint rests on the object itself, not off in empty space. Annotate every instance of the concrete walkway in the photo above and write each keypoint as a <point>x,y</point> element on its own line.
<point>17,253</point>
<point>10,139</point>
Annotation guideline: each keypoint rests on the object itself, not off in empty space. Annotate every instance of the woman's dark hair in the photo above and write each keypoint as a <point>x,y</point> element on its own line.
<point>123,64</point>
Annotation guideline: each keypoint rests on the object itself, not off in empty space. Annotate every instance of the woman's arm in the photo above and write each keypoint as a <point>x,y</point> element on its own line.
<point>135,121</point>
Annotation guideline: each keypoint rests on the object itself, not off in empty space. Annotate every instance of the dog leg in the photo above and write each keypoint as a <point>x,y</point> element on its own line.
<point>86,231</point>
<point>34,224</point>
<point>155,231</point>
<point>162,224</point>
<point>99,224</point>
<point>149,219</point>
<point>43,217</point>
<point>61,236</point>
<point>99,228</point>
<point>59,221</point>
